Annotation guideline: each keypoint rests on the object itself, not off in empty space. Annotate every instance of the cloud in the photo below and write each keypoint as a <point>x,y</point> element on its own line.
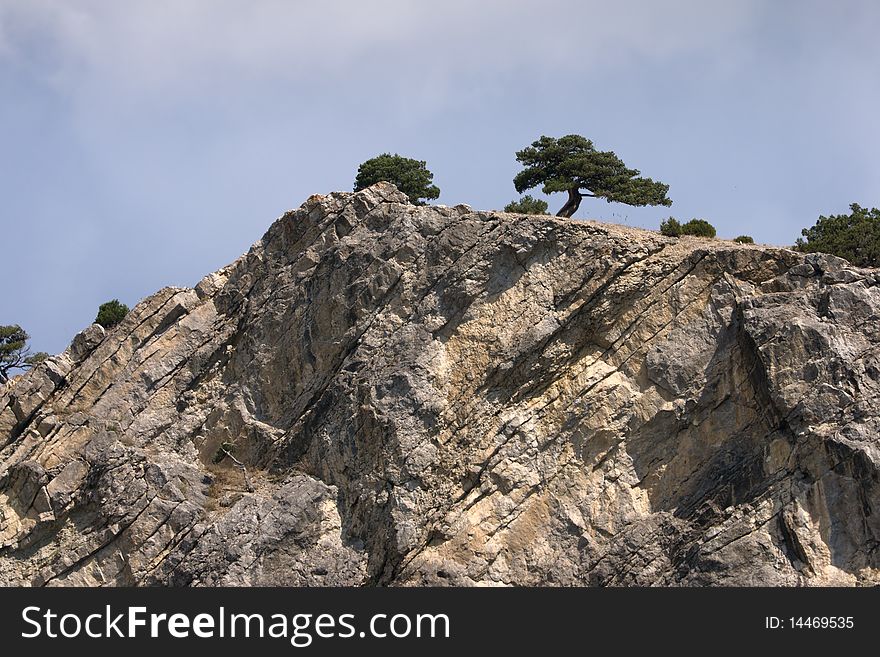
<point>185,48</point>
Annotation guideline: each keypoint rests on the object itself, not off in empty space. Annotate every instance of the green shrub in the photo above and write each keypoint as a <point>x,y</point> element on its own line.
<point>744,239</point>
<point>111,313</point>
<point>670,227</point>
<point>698,228</point>
<point>527,205</point>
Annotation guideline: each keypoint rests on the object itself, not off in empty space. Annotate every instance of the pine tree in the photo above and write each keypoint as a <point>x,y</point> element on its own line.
<point>572,164</point>
<point>111,313</point>
<point>854,236</point>
<point>14,351</point>
<point>411,176</point>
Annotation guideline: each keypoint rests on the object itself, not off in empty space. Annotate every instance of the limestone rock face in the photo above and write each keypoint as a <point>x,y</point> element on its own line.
<point>383,393</point>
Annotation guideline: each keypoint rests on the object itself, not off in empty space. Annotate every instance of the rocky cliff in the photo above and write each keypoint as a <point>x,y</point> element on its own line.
<point>380,393</point>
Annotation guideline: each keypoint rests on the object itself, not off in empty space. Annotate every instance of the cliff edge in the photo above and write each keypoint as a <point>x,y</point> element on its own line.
<point>384,393</point>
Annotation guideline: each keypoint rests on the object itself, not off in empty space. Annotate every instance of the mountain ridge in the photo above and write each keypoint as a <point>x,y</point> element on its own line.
<point>384,393</point>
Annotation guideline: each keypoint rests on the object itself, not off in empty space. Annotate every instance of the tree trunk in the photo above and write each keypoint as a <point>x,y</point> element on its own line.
<point>572,204</point>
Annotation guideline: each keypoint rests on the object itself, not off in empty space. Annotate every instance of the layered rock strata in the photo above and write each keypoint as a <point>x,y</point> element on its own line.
<point>384,393</point>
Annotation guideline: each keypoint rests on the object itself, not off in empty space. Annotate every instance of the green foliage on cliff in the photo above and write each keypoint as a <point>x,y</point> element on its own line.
<point>572,164</point>
<point>697,227</point>
<point>15,352</point>
<point>411,176</point>
<point>854,236</point>
<point>111,313</point>
<point>527,205</point>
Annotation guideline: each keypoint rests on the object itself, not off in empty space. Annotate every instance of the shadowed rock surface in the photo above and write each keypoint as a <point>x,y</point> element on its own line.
<point>380,393</point>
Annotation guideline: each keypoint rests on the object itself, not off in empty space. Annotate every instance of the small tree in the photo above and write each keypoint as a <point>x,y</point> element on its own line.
<point>411,176</point>
<point>854,236</point>
<point>111,313</point>
<point>572,164</point>
<point>744,239</point>
<point>670,227</point>
<point>14,351</point>
<point>527,205</point>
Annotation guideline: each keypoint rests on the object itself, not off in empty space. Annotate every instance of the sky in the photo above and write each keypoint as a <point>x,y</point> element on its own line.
<point>147,143</point>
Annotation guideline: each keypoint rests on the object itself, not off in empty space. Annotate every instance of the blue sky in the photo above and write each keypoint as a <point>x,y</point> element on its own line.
<point>147,143</point>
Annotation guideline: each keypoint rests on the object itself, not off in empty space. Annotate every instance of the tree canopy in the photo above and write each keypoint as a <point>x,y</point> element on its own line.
<point>111,313</point>
<point>572,164</point>
<point>411,176</point>
<point>854,236</point>
<point>527,205</point>
<point>14,351</point>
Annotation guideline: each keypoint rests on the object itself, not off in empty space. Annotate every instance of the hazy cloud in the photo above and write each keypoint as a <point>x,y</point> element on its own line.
<point>176,47</point>
<point>148,142</point>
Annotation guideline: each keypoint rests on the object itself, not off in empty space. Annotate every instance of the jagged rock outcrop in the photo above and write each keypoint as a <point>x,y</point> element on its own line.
<point>381,393</point>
